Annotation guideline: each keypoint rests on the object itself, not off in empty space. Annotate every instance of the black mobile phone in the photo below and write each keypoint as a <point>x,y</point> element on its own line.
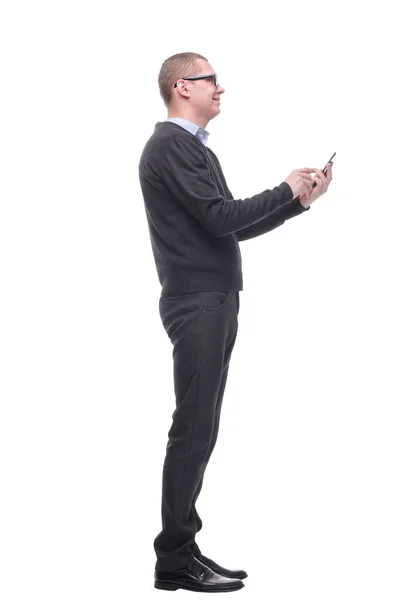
<point>325,168</point>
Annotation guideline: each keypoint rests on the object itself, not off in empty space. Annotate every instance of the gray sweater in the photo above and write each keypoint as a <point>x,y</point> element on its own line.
<point>194,222</point>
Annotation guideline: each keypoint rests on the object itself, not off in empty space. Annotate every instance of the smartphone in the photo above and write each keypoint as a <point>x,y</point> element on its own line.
<point>325,168</point>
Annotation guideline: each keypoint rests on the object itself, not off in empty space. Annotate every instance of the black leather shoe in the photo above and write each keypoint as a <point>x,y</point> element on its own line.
<point>239,574</point>
<point>196,577</point>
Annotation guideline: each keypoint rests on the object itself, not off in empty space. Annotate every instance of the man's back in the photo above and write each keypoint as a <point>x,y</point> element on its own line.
<point>180,179</point>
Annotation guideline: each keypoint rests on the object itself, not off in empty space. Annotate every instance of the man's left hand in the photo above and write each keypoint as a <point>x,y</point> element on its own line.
<point>322,182</point>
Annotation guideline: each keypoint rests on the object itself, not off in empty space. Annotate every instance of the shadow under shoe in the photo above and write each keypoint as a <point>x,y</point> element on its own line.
<point>195,577</point>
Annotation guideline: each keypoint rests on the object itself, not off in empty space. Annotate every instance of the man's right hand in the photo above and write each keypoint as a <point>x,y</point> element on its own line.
<point>300,181</point>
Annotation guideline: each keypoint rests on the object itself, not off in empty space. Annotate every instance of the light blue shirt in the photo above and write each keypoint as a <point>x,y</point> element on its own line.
<point>200,133</point>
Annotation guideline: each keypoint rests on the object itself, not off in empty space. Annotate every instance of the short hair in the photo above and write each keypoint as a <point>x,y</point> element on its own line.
<point>175,67</point>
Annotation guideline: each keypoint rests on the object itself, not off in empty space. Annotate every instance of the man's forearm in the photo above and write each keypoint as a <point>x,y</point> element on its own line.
<point>291,209</point>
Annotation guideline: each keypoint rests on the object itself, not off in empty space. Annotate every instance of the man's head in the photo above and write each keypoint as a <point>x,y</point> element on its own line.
<point>194,99</point>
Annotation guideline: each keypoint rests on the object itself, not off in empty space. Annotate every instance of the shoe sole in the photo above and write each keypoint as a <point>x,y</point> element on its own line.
<point>171,586</point>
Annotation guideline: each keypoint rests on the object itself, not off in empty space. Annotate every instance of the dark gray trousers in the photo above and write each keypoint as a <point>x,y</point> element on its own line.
<point>202,327</point>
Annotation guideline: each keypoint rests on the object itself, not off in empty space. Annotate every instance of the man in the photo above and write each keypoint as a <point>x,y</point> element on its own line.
<point>195,228</point>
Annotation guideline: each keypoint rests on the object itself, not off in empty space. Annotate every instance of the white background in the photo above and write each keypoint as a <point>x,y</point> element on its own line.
<point>303,489</point>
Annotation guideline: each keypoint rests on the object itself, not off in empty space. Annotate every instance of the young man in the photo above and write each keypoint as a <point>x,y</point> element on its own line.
<point>195,227</point>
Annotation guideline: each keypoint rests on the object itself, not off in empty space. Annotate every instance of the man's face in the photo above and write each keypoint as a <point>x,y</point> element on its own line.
<point>204,95</point>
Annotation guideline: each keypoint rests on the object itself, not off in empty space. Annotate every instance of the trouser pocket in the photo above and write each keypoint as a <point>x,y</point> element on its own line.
<point>213,299</point>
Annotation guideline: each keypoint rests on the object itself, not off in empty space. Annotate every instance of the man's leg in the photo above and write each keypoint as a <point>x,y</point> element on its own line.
<point>228,353</point>
<point>199,326</point>
<point>194,514</point>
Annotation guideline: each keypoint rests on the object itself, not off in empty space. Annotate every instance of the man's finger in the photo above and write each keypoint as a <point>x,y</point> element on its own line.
<point>318,181</point>
<point>320,173</point>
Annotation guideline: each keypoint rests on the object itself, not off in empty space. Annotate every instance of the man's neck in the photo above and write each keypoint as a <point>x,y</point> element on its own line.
<point>196,120</point>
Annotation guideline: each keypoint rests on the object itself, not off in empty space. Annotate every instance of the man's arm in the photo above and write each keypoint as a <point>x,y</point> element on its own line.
<point>273,220</point>
<point>281,214</point>
<point>186,173</point>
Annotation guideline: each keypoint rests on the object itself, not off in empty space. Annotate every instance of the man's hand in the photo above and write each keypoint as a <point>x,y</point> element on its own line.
<point>307,198</point>
<point>300,181</point>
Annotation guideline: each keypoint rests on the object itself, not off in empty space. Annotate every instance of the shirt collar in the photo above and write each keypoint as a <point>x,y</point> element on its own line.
<point>197,131</point>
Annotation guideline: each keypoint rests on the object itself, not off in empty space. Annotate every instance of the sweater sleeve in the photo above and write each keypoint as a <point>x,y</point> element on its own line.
<point>273,220</point>
<point>186,173</point>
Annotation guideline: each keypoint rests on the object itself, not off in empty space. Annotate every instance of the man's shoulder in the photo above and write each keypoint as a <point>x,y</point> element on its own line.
<point>172,139</point>
<point>167,135</point>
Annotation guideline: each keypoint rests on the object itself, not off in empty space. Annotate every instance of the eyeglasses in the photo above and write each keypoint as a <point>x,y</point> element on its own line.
<point>214,77</point>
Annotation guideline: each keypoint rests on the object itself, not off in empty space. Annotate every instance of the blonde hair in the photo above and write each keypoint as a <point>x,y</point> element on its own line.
<point>175,67</point>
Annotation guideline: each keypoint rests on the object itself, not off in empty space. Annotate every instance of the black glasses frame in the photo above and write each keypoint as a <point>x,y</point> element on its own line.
<point>214,77</point>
